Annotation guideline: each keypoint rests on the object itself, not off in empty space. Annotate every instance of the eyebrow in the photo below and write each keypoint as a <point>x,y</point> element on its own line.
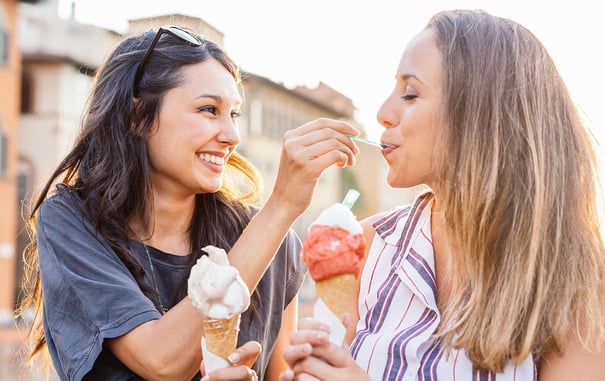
<point>217,98</point>
<point>405,77</point>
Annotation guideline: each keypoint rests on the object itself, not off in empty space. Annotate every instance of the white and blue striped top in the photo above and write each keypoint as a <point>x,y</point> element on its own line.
<point>398,310</point>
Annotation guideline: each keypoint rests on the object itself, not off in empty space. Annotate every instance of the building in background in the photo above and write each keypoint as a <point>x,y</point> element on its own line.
<point>60,57</point>
<point>10,78</point>
<point>270,109</point>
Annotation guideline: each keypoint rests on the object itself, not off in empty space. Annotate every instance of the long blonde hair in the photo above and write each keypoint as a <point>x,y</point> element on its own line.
<point>518,186</point>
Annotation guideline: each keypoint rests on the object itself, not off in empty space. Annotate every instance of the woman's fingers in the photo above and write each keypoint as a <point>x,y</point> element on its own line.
<point>232,373</point>
<point>322,123</point>
<point>289,375</point>
<point>333,354</point>
<point>310,333</point>
<point>313,324</point>
<point>297,352</point>
<point>241,360</point>
<point>307,344</point>
<point>307,152</point>
<point>321,139</point>
<point>329,363</point>
<point>246,354</point>
<point>314,367</point>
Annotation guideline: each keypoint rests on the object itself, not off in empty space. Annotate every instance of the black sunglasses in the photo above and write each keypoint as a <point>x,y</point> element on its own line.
<point>172,30</point>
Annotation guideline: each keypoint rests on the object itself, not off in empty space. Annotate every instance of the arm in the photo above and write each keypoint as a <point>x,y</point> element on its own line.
<point>171,343</point>
<point>577,363</point>
<point>307,151</point>
<point>278,364</point>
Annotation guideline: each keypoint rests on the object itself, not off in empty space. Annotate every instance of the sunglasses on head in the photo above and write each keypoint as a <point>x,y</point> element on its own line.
<point>172,30</point>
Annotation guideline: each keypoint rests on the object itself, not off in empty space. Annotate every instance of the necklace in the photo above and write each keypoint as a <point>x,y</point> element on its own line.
<point>155,282</point>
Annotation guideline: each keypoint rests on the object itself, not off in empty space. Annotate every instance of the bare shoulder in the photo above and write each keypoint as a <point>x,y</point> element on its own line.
<point>367,225</point>
<point>577,363</point>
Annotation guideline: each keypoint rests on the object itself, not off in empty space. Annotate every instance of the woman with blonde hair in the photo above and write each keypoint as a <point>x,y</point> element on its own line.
<point>497,271</point>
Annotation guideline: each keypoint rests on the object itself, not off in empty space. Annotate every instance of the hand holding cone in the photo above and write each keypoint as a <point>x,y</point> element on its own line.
<point>220,294</point>
<point>333,250</point>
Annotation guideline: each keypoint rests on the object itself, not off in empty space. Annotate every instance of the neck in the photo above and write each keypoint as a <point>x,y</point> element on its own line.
<point>168,229</point>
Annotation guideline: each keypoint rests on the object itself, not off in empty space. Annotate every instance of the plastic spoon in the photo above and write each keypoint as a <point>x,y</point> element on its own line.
<point>350,198</point>
<point>376,144</point>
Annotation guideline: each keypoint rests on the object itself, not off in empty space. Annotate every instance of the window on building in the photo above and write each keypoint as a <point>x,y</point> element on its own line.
<point>3,47</point>
<point>26,93</point>
<point>256,118</point>
<point>3,37</point>
<point>3,153</point>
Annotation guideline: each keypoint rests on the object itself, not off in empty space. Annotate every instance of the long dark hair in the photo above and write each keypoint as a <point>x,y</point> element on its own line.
<point>108,167</point>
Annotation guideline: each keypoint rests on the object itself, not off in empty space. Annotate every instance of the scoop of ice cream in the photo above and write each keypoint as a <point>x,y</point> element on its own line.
<point>334,244</point>
<point>215,287</point>
<point>341,216</point>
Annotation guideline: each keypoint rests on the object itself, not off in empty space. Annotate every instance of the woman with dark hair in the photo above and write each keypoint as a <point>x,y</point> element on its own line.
<point>154,176</point>
<point>497,270</point>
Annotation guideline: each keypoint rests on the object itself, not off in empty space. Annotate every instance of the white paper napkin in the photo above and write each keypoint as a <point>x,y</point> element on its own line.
<point>212,362</point>
<point>322,313</point>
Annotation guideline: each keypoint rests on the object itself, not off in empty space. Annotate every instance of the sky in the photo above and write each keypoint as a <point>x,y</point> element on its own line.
<point>354,46</point>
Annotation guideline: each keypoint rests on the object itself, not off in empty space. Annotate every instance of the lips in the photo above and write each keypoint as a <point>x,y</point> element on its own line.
<point>388,147</point>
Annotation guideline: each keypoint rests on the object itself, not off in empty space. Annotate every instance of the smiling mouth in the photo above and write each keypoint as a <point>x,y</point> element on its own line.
<point>212,158</point>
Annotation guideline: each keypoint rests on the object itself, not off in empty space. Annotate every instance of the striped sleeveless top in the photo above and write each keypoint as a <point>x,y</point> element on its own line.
<point>398,310</point>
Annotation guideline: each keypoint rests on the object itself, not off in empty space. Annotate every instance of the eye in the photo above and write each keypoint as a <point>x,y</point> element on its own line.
<point>210,109</point>
<point>409,97</point>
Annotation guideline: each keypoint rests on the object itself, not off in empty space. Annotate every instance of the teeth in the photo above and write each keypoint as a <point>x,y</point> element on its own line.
<point>212,158</point>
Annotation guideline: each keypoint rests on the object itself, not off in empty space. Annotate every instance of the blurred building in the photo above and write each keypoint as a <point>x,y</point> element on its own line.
<point>59,58</point>
<point>271,109</point>
<point>10,75</point>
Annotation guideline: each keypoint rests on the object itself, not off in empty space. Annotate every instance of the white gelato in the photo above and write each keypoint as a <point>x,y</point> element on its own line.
<point>215,287</point>
<point>341,216</point>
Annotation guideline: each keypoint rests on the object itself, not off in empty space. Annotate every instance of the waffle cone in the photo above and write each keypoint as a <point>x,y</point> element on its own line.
<point>336,292</point>
<point>221,335</point>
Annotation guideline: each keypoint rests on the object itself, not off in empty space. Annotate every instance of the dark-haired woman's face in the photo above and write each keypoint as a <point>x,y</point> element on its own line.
<point>196,132</point>
<point>413,114</point>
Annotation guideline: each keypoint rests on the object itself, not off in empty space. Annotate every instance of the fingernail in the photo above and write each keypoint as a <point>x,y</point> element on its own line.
<point>205,378</point>
<point>233,358</point>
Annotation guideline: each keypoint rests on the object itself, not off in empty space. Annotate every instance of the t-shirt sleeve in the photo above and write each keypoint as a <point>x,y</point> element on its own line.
<point>89,294</point>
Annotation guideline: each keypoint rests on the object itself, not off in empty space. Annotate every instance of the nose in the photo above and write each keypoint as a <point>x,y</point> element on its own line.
<point>229,132</point>
<point>388,115</point>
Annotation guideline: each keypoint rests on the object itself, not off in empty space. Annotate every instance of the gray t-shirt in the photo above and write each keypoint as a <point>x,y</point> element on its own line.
<point>89,294</point>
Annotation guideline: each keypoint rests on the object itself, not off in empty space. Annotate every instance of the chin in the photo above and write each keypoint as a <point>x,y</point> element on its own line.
<point>394,181</point>
<point>210,188</point>
<point>400,183</point>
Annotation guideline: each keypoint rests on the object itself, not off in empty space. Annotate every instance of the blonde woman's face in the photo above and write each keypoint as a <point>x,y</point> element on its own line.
<point>196,132</point>
<point>413,114</point>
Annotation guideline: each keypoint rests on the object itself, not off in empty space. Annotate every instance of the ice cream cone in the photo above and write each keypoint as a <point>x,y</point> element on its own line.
<point>336,292</point>
<point>221,335</point>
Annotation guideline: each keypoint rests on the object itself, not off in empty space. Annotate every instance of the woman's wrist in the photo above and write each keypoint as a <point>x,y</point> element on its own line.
<point>281,211</point>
